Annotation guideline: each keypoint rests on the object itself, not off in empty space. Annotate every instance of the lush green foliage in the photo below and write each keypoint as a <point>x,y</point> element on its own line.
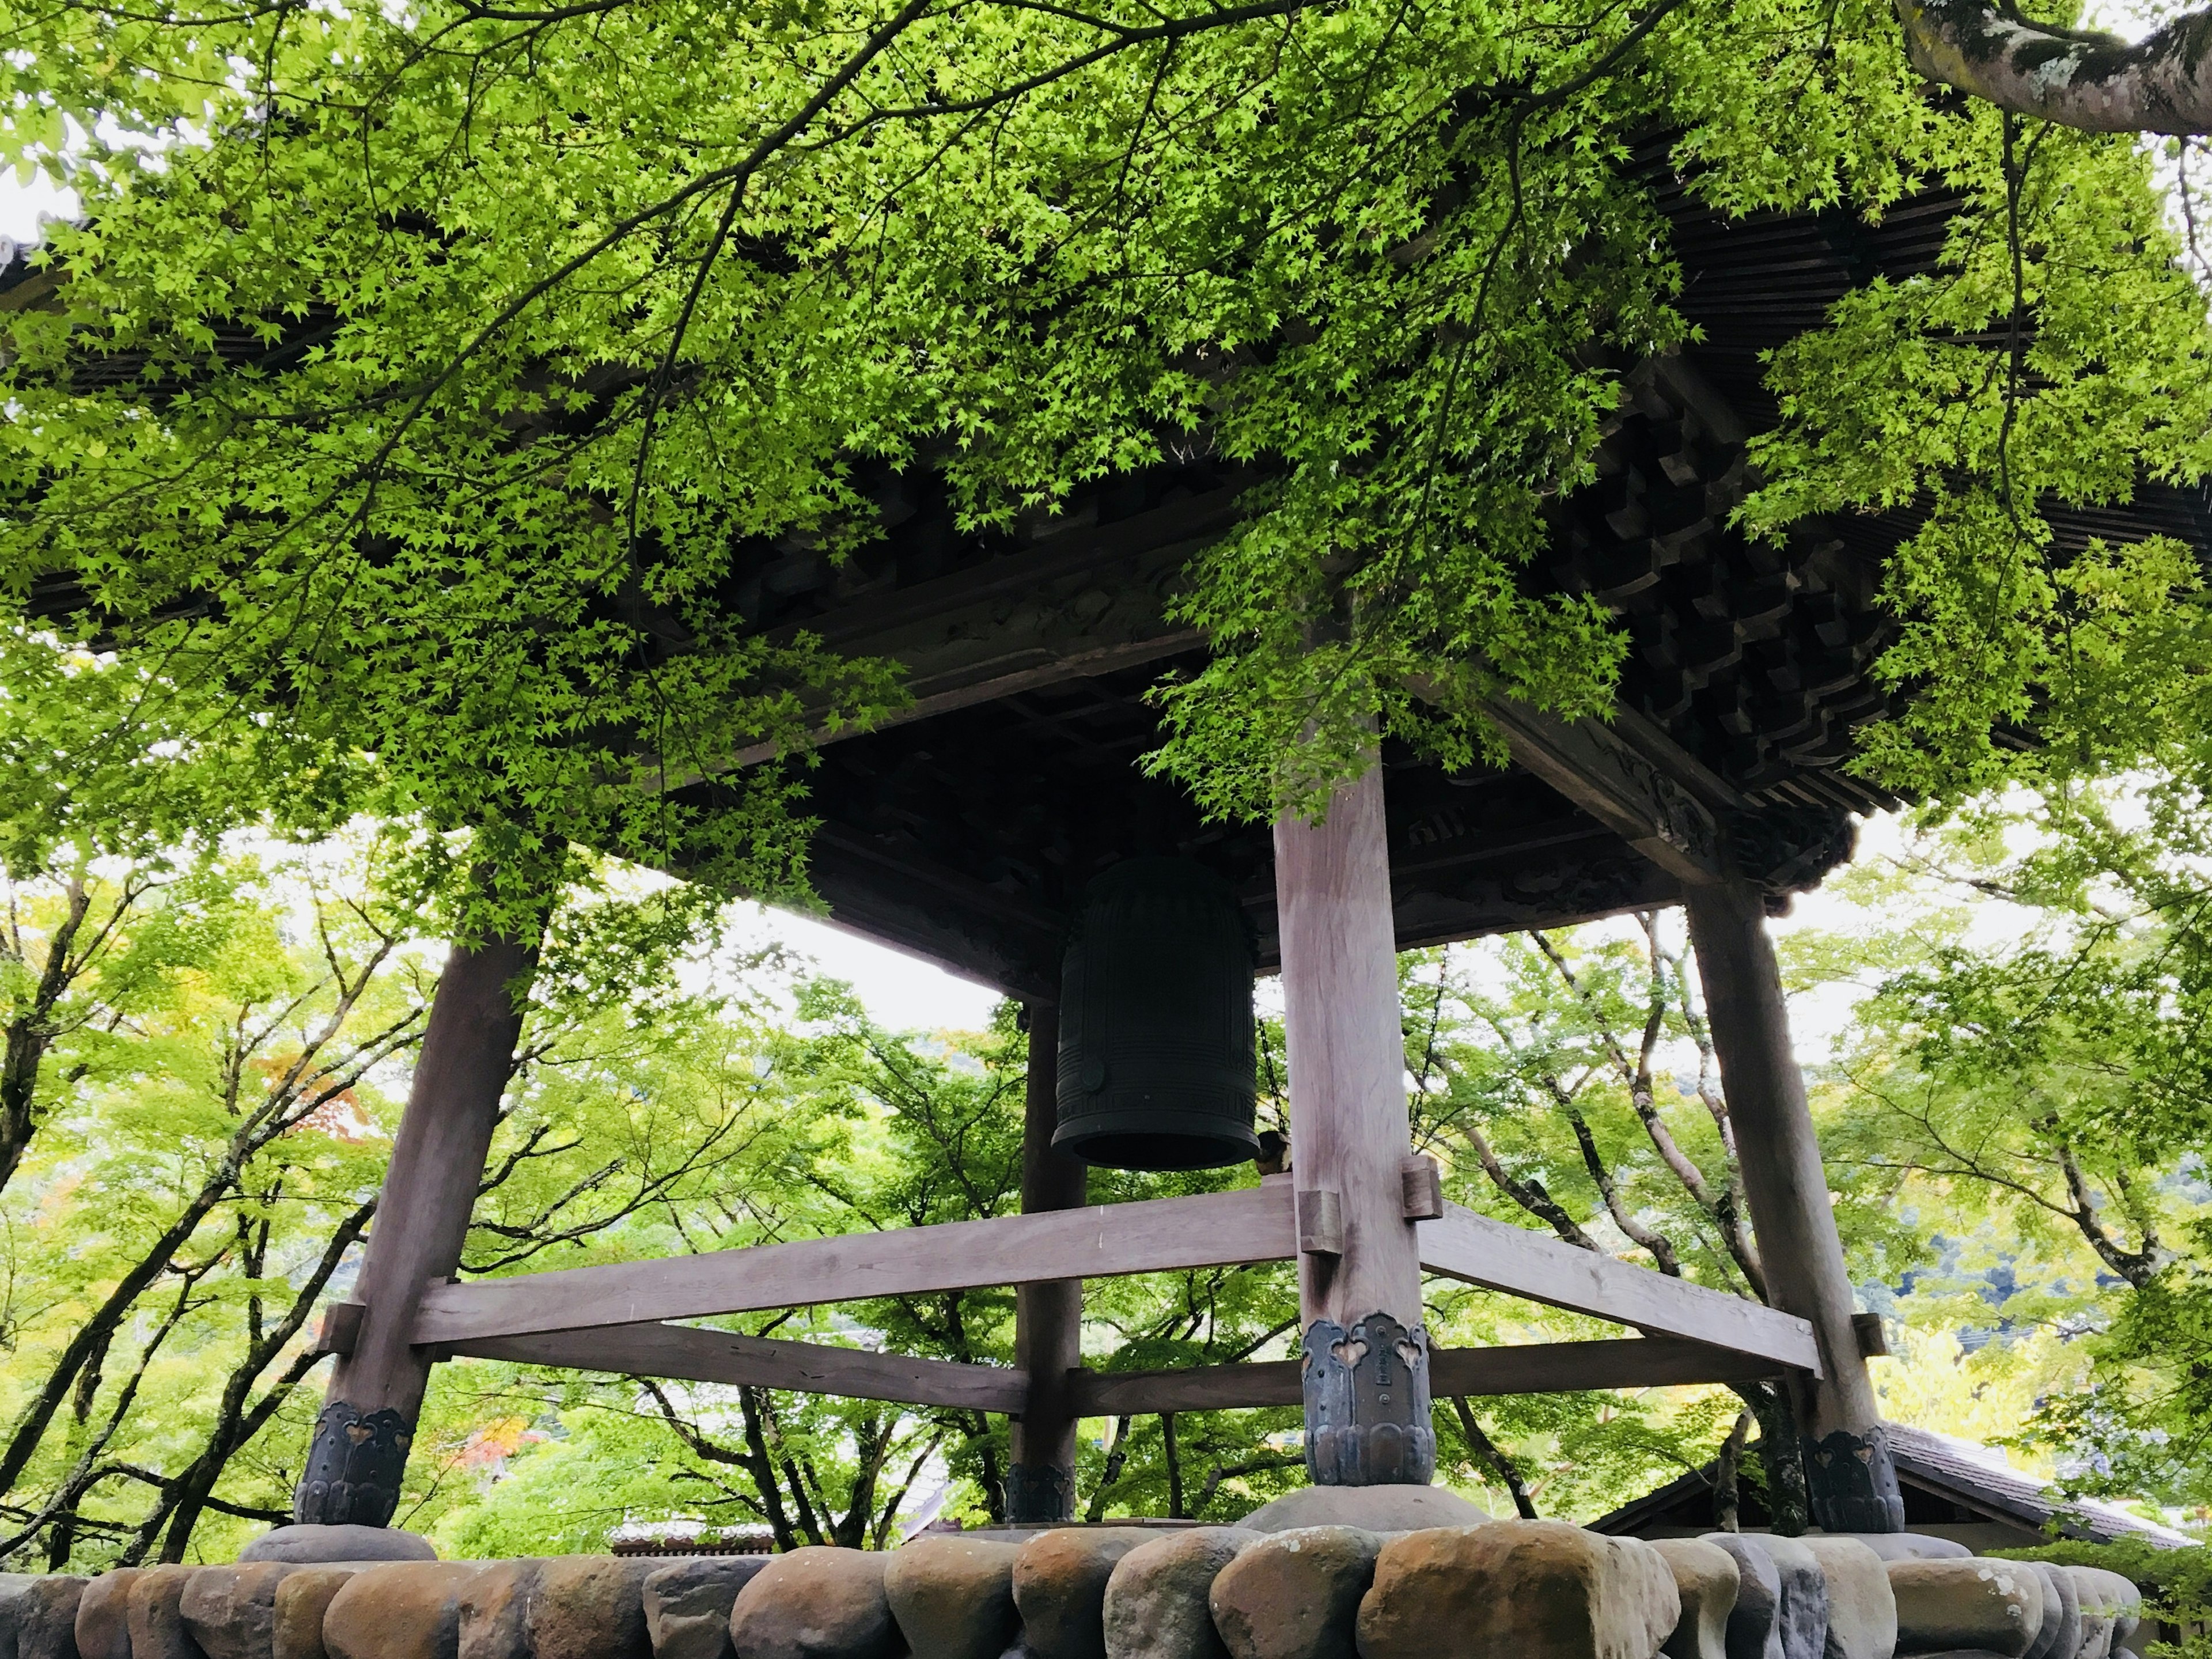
<point>216,1086</point>
<point>2057,1080</point>
<point>449,354</point>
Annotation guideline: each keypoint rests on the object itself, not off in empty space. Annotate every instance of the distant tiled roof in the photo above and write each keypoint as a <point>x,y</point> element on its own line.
<point>1978,1476</point>
<point>1972,1475</point>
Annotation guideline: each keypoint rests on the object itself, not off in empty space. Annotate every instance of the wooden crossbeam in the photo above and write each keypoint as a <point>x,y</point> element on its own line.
<point>1518,1368</point>
<point>697,1356</point>
<point>702,1356</point>
<point>1477,1250</point>
<point>1630,778</point>
<point>1104,1241</point>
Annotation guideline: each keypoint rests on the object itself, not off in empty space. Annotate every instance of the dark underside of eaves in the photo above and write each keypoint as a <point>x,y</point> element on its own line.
<point>966,832</point>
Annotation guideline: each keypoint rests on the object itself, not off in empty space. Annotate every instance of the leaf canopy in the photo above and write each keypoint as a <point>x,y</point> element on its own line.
<point>415,396</point>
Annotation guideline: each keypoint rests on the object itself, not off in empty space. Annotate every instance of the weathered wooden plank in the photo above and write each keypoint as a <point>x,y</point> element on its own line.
<point>1521,1368</point>
<point>1158,1235</point>
<point>697,1356</point>
<point>1193,1388</point>
<point>1649,1362</point>
<point>1473,1248</point>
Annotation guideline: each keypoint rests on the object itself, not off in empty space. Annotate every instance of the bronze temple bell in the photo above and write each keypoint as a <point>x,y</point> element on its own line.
<point>1155,1033</point>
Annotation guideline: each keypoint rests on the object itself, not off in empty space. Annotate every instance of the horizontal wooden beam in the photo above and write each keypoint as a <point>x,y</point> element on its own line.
<point>1654,799</point>
<point>1104,1241</point>
<point>689,1354</point>
<point>1519,1368</point>
<point>1478,1250</point>
<point>1193,1388</point>
<point>697,1356</point>
<point>1087,602</point>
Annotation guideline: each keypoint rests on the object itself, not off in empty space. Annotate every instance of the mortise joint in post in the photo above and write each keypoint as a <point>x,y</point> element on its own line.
<point>1423,1183</point>
<point>341,1327</point>
<point>1321,1223</point>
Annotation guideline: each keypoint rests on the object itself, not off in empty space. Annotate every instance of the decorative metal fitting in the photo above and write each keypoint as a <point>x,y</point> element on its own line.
<point>355,1464</point>
<point>1039,1492</point>
<point>1851,1482</point>
<point>1367,1404</point>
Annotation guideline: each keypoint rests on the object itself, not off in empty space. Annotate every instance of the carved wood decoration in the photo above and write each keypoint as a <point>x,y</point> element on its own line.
<point>1473,1248</point>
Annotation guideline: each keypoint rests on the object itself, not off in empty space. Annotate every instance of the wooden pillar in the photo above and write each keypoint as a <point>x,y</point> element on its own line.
<point>1047,1317</point>
<point>368,1421</point>
<point>1850,1477</point>
<point>1359,1265</point>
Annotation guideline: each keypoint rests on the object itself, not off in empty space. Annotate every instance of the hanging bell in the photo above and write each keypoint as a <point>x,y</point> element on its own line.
<point>1156,1034</point>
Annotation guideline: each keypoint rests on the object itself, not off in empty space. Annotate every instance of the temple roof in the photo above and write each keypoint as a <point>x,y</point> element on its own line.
<point>964,832</point>
<point>1946,1482</point>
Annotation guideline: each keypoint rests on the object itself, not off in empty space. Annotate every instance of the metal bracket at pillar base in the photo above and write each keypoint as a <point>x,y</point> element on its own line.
<point>1852,1483</point>
<point>1039,1492</point>
<point>1367,1404</point>
<point>355,1464</point>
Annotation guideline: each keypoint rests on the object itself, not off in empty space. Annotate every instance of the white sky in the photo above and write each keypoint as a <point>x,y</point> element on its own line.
<point>906,993</point>
<point>23,207</point>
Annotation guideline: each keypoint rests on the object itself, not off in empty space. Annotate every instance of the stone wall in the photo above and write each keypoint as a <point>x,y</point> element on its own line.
<point>1273,1589</point>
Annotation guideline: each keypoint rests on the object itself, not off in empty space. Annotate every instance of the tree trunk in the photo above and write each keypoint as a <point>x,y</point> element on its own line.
<point>1480,1443</point>
<point>29,1034</point>
<point>2072,77</point>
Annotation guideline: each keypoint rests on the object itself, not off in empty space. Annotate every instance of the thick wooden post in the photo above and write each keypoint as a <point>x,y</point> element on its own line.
<point>368,1421</point>
<point>1047,1317</point>
<point>1850,1477</point>
<point>1360,1265</point>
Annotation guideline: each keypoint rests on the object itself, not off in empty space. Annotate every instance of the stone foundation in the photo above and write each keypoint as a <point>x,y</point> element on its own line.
<point>1495,1590</point>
